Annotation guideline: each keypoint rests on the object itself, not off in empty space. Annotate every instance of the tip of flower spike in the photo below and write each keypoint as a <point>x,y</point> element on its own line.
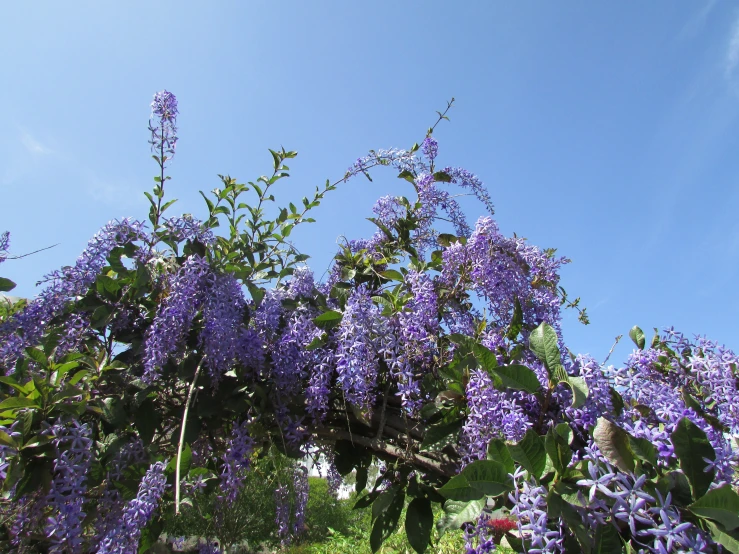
<point>164,105</point>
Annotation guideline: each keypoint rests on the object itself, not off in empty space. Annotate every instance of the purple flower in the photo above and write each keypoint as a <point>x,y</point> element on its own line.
<point>236,461</point>
<point>301,486</point>
<point>530,513</point>
<point>4,246</point>
<point>430,148</point>
<point>175,315</point>
<point>356,351</point>
<point>76,330</point>
<point>26,327</point>
<point>124,539</point>
<point>492,414</point>
<point>72,444</point>
<point>163,124</point>
<point>223,316</point>
<point>282,517</point>
<point>186,227</point>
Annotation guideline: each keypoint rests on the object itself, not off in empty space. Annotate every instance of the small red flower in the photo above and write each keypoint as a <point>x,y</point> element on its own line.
<point>499,527</point>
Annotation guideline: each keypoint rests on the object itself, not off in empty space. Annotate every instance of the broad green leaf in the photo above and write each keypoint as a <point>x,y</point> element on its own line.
<point>559,451</point>
<point>113,412</point>
<point>484,356</point>
<point>419,522</point>
<point>328,319</point>
<point>437,433</point>
<point>16,403</point>
<point>457,513</point>
<point>393,275</point>
<point>579,391</point>
<point>185,462</point>
<point>442,177</point>
<point>530,453</point>
<point>488,476</point>
<point>146,420</point>
<point>386,522</point>
<point>518,377</point>
<point>458,488</point>
<point>558,507</point>
<point>721,504</point>
<point>498,451</point>
<point>514,328</point>
<point>606,540</point>
<point>544,343</point>
<point>644,450</point>
<point>691,447</point>
<point>728,539</point>
<point>613,443</point>
<point>6,285</point>
<point>637,335</point>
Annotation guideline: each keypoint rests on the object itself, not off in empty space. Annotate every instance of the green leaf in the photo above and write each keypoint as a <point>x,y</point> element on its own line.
<point>518,377</point>
<point>146,420</point>
<point>407,175</point>
<point>113,412</point>
<point>16,403</point>
<point>558,507</point>
<point>544,343</point>
<point>437,433</point>
<point>387,521</point>
<point>393,275</point>
<point>457,488</point>
<point>691,446</point>
<point>328,320</point>
<point>498,451</point>
<point>484,356</point>
<point>488,476</point>
<point>613,443</point>
<point>185,462</point>
<point>457,513</point>
<point>442,177</point>
<point>558,449</point>
<point>579,390</point>
<point>644,450</point>
<point>721,505</point>
<point>637,335</point>
<point>419,522</point>
<point>727,539</point>
<point>514,328</point>
<point>530,453</point>
<point>6,285</point>
<point>606,540</point>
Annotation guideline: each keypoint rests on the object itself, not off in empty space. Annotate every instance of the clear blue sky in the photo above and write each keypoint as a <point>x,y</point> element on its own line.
<point>606,130</point>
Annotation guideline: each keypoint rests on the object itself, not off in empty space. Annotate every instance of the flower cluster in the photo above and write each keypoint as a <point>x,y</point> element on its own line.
<point>124,538</point>
<point>27,327</point>
<point>492,414</point>
<point>530,511</point>
<point>4,246</point>
<point>223,317</point>
<point>163,124</point>
<point>236,461</point>
<point>282,513</point>
<point>72,445</point>
<point>301,488</point>
<point>186,227</point>
<point>175,315</point>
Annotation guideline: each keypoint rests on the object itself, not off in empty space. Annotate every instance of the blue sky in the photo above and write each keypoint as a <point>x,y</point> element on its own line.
<point>606,130</point>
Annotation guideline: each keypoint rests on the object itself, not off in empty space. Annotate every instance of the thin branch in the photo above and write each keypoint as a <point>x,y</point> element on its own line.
<point>182,438</point>
<point>31,253</point>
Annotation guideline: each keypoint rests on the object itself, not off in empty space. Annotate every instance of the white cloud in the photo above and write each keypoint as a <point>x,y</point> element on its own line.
<point>113,192</point>
<point>732,52</point>
<point>33,145</point>
<point>696,24</point>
